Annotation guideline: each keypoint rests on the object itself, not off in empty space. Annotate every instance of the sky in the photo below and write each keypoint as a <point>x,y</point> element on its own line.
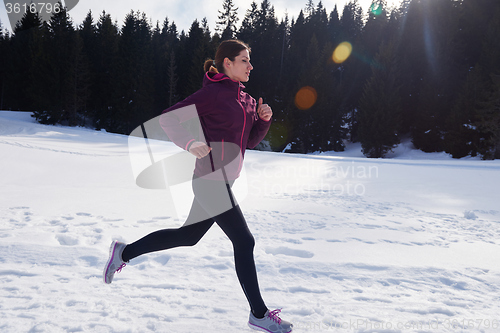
<point>184,12</point>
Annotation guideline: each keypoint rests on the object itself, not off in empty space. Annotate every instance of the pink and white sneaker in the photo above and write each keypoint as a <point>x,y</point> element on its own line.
<point>115,262</point>
<point>271,323</point>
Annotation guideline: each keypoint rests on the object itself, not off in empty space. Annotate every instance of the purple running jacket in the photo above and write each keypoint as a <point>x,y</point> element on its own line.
<point>228,123</point>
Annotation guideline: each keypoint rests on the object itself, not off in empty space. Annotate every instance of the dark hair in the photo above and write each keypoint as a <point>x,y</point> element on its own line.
<point>227,49</point>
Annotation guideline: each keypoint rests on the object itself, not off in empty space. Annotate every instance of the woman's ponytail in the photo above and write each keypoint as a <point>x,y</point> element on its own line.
<point>227,49</point>
<point>210,66</point>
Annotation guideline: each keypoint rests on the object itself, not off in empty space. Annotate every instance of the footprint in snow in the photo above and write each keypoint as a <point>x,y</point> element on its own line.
<point>301,289</point>
<point>289,252</point>
<point>83,214</point>
<point>66,240</point>
<point>23,213</point>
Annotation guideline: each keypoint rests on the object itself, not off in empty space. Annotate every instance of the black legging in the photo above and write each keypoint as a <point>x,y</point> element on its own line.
<point>211,199</point>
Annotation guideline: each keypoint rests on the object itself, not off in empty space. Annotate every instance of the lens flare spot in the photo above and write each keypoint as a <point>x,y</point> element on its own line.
<point>278,134</point>
<point>342,52</point>
<point>376,9</point>
<point>305,98</point>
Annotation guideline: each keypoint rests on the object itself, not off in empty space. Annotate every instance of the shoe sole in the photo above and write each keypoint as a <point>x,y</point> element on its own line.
<point>258,328</point>
<point>262,329</point>
<point>110,260</point>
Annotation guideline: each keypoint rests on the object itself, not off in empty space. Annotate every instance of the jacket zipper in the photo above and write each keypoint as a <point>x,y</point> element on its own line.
<point>244,125</point>
<point>222,157</point>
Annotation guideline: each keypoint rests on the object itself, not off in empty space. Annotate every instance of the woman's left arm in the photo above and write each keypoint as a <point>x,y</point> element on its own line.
<point>261,126</point>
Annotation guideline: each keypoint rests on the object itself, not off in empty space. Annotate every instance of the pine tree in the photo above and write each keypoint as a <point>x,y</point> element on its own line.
<point>172,35</point>
<point>427,130</point>
<point>279,134</point>
<point>104,87</point>
<point>64,59</point>
<point>489,119</point>
<point>88,34</point>
<point>266,42</point>
<point>80,80</point>
<point>475,18</point>
<point>228,17</point>
<point>468,130</point>
<point>318,23</point>
<point>172,81</point>
<point>352,72</point>
<point>134,105</point>
<point>462,138</point>
<point>488,104</point>
<point>309,10</point>
<point>3,60</point>
<point>373,34</point>
<point>330,118</point>
<point>249,23</point>
<point>374,30</point>
<point>299,36</point>
<point>305,133</point>
<point>266,18</point>
<point>334,26</point>
<point>380,105</point>
<point>172,41</point>
<point>28,69</point>
<point>197,48</point>
<point>428,50</point>
<point>351,22</point>
<point>160,56</point>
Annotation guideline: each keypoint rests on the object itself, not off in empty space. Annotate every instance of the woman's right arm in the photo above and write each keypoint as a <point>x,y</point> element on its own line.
<point>199,149</point>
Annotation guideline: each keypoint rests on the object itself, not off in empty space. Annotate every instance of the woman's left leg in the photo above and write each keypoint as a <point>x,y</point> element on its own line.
<point>235,227</point>
<point>211,196</point>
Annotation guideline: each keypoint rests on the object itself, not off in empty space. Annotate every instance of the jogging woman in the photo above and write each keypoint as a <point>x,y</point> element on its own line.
<point>231,120</point>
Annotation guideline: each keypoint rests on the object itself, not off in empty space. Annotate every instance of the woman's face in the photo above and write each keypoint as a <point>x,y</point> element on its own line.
<point>239,69</point>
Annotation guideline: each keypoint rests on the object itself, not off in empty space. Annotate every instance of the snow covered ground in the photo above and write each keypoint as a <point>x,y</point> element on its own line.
<point>344,243</point>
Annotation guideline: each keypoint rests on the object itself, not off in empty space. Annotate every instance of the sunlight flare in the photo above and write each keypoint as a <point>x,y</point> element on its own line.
<point>342,52</point>
<point>376,9</point>
<point>306,97</point>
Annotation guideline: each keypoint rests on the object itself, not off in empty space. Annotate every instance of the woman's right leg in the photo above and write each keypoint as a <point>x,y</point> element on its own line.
<point>187,235</point>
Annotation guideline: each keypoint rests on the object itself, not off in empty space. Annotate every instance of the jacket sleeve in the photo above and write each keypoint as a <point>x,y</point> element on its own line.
<point>194,106</point>
<point>258,132</point>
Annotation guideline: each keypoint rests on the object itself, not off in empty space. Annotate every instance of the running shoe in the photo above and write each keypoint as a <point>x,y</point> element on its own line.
<point>115,262</point>
<point>271,323</point>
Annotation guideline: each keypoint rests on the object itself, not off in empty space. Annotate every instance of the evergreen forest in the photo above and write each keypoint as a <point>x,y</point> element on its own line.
<point>426,70</point>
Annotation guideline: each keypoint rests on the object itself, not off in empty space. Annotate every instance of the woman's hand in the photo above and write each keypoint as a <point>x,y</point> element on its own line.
<point>199,149</point>
<point>264,111</point>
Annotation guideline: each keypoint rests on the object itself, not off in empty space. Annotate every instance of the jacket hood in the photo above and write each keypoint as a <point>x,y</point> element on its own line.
<point>211,77</point>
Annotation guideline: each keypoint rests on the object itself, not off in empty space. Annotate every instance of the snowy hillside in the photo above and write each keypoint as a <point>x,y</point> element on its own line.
<point>344,243</point>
